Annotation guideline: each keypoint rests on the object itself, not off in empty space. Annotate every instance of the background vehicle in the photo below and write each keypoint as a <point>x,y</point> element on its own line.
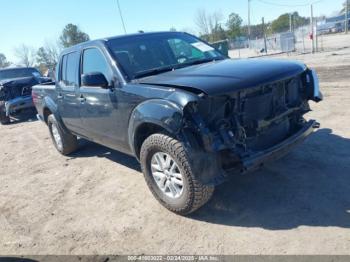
<point>190,115</point>
<point>15,90</point>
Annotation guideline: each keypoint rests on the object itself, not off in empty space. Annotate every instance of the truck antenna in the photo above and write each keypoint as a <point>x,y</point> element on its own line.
<point>121,16</point>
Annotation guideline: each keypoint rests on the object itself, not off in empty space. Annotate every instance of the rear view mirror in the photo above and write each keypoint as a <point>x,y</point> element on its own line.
<point>95,79</point>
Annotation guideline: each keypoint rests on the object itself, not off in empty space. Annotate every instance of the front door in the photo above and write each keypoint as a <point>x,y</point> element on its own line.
<point>98,107</point>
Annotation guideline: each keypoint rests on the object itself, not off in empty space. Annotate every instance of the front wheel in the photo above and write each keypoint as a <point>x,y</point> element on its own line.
<point>65,143</point>
<point>169,175</point>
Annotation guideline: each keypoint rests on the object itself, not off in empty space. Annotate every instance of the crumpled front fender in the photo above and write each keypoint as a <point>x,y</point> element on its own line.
<point>163,113</point>
<point>316,94</point>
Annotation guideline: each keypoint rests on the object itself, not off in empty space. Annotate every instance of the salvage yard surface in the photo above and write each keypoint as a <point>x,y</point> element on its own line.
<point>96,201</point>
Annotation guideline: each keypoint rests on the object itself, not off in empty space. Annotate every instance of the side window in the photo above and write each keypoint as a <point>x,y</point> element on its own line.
<point>94,61</point>
<point>64,68</point>
<point>70,65</point>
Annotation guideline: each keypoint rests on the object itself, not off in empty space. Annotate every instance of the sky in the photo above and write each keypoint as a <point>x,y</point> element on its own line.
<point>35,22</point>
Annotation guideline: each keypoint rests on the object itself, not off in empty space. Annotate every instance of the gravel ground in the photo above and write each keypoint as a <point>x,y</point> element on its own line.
<point>96,201</point>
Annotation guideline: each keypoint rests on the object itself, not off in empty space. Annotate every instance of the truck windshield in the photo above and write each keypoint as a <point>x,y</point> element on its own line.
<point>18,73</point>
<point>148,54</point>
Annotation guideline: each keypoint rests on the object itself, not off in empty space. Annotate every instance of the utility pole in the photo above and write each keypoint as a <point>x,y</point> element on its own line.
<point>316,35</point>
<point>303,36</point>
<point>249,23</point>
<point>346,16</point>
<point>121,17</point>
<point>312,29</point>
<point>263,25</point>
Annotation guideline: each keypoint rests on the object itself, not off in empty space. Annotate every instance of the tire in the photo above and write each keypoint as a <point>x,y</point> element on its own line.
<point>193,194</point>
<point>4,119</point>
<point>65,143</point>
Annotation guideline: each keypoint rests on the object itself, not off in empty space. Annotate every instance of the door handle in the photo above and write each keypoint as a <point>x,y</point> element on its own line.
<point>82,99</point>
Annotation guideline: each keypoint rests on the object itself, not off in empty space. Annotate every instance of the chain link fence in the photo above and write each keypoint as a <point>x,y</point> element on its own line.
<point>326,35</point>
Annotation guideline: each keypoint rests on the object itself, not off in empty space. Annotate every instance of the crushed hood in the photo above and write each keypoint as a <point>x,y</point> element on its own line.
<point>12,88</point>
<point>23,81</point>
<point>226,76</point>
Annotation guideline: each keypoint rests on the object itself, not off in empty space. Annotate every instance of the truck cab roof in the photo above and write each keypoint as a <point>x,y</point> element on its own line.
<point>104,40</point>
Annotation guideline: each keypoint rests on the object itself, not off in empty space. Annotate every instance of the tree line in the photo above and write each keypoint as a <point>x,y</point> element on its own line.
<point>45,57</point>
<point>213,27</point>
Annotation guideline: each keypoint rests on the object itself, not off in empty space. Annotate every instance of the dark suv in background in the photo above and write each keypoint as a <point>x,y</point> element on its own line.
<point>16,90</point>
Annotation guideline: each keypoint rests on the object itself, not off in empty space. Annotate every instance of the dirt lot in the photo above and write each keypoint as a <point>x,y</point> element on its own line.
<point>96,201</point>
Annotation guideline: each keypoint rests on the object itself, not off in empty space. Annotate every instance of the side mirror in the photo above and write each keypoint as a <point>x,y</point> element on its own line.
<point>94,79</point>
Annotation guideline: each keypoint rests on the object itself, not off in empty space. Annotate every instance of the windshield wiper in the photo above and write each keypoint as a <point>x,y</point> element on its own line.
<point>200,61</point>
<point>159,70</point>
<point>154,71</point>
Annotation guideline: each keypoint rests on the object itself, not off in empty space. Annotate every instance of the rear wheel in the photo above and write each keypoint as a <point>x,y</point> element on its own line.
<point>4,119</point>
<point>65,143</point>
<point>170,177</point>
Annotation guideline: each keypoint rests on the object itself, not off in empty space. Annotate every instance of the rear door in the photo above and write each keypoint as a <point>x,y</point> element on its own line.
<point>67,96</point>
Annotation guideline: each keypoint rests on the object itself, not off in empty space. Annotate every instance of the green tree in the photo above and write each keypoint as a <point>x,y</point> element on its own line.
<point>72,35</point>
<point>3,61</point>
<point>299,20</point>
<point>43,60</point>
<point>234,24</point>
<point>218,33</point>
<point>42,56</point>
<point>282,23</point>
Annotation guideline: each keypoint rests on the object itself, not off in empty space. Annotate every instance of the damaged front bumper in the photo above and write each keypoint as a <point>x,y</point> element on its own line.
<point>240,132</point>
<point>258,159</point>
<point>19,103</point>
<point>215,174</point>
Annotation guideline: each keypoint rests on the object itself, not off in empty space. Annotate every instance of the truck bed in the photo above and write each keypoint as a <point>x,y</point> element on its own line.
<point>39,93</point>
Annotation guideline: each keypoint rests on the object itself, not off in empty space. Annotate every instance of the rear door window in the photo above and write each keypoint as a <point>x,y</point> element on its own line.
<point>70,66</point>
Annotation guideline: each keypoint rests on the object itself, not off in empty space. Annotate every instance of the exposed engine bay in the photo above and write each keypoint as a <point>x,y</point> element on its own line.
<point>252,120</point>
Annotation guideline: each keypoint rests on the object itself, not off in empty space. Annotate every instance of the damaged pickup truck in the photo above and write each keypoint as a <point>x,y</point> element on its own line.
<point>16,89</point>
<point>191,116</point>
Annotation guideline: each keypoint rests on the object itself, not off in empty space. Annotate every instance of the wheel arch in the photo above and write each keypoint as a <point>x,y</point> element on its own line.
<point>50,107</point>
<point>46,113</point>
<point>143,132</point>
<point>153,116</point>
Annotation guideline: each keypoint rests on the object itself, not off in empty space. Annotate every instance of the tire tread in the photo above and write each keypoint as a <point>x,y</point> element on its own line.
<point>70,141</point>
<point>199,193</point>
